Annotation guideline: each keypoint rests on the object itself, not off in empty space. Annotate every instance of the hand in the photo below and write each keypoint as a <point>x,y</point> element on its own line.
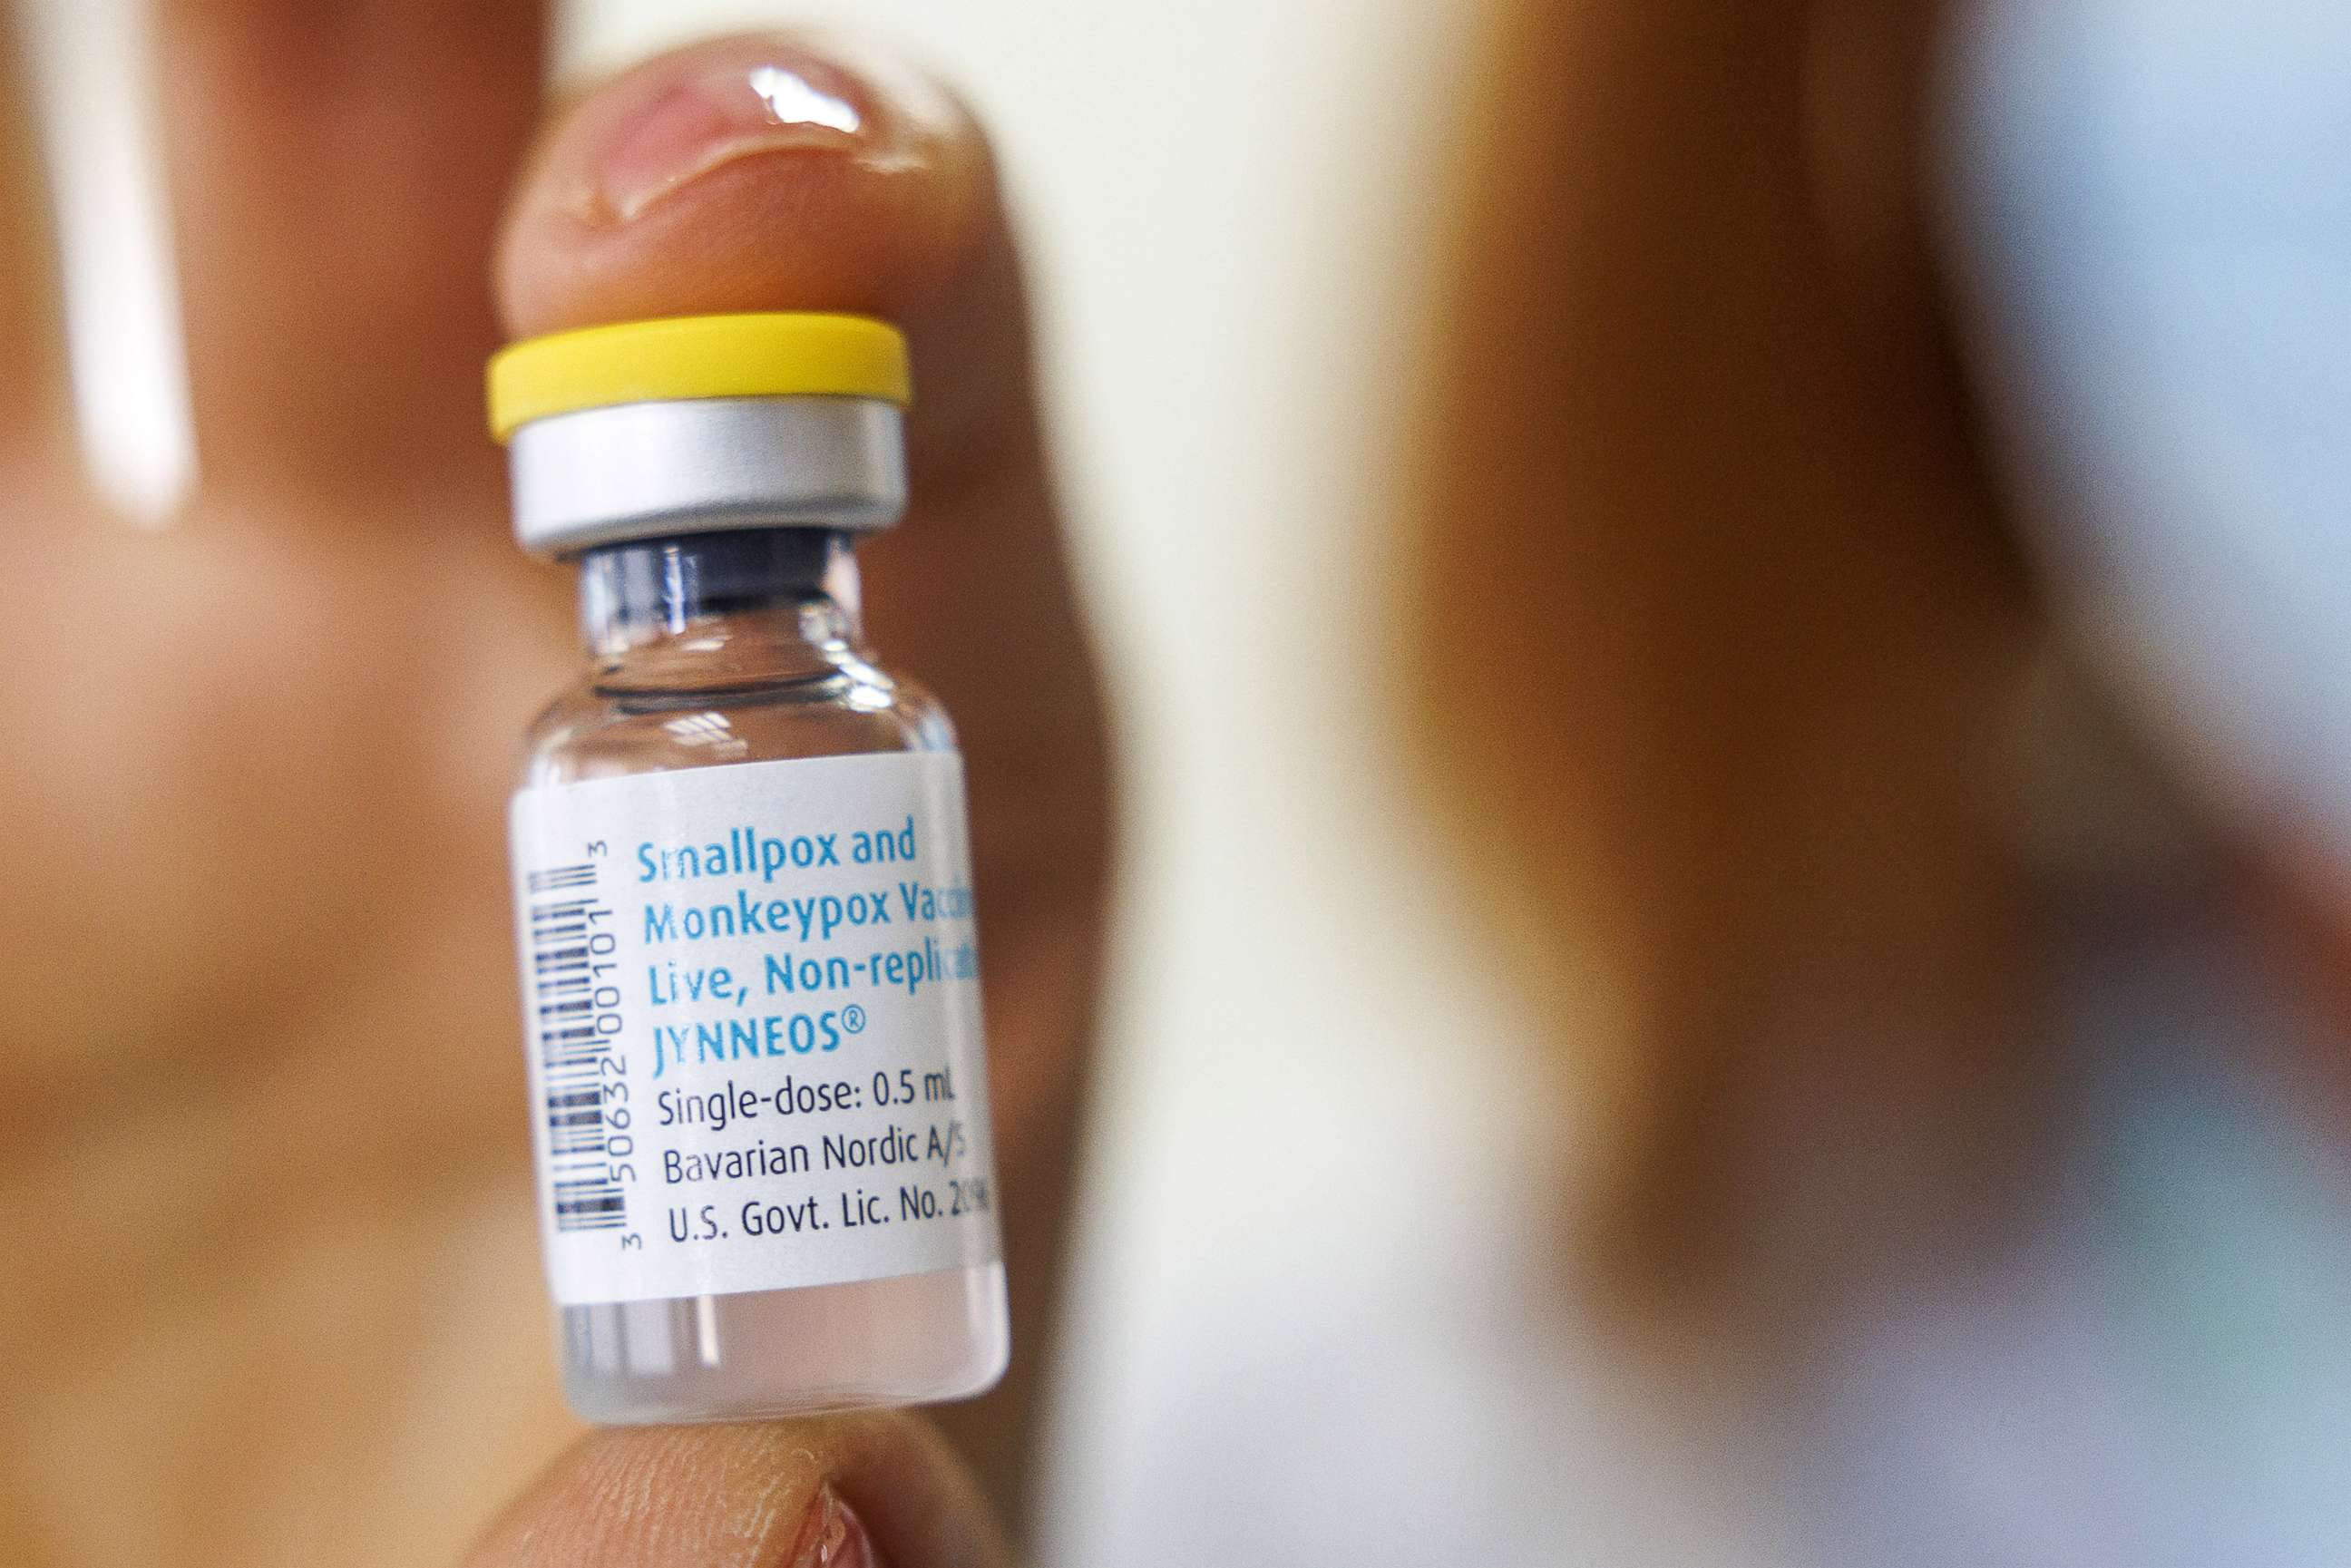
<point>263,1154</point>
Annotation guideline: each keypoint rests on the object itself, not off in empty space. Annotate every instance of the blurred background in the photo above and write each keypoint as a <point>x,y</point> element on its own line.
<point>1360,1085</point>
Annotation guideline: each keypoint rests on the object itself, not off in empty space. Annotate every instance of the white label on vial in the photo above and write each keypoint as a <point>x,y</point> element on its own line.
<point>751,994</point>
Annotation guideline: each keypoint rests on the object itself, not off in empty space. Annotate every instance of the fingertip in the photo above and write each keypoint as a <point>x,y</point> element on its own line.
<point>755,173</point>
<point>746,1495</point>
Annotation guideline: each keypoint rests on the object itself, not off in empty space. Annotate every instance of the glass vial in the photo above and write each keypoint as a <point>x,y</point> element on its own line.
<point>743,893</point>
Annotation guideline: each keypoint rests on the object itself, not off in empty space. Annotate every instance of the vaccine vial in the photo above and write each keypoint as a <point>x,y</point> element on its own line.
<point>743,891</point>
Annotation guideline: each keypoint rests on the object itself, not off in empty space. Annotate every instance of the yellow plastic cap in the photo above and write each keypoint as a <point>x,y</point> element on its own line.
<point>774,354</point>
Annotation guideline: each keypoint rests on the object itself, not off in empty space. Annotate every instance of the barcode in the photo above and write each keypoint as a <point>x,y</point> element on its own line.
<point>569,937</point>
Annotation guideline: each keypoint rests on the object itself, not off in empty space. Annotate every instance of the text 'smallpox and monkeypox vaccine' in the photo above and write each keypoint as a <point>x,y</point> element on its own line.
<point>743,891</point>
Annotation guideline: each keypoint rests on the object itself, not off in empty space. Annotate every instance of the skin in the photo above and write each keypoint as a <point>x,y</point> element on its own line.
<point>263,1166</point>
